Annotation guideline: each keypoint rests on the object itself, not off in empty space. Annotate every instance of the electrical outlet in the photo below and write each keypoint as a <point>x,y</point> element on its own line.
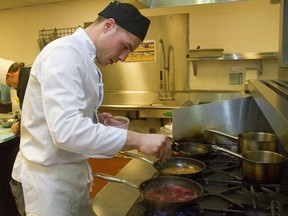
<point>236,76</point>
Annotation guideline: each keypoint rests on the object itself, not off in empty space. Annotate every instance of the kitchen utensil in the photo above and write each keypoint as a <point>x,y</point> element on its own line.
<point>174,166</point>
<point>252,141</point>
<point>172,185</point>
<point>259,166</point>
<point>192,149</point>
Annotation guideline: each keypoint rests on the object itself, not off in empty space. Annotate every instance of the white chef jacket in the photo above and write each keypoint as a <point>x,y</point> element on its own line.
<point>5,64</point>
<point>58,123</point>
<point>64,91</point>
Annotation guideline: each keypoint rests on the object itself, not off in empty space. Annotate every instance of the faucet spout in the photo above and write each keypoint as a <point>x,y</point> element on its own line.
<point>163,65</point>
<point>165,79</point>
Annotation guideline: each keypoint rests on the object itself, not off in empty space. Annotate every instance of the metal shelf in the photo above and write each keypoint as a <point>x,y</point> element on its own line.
<point>235,56</point>
<point>48,35</point>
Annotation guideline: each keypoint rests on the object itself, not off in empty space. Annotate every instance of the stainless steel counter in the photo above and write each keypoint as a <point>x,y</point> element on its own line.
<point>143,111</point>
<point>150,100</point>
<point>148,105</point>
<point>115,198</point>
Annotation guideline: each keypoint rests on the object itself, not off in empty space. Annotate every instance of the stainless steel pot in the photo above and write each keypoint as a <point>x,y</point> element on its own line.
<point>156,184</point>
<point>259,166</point>
<point>252,141</point>
<point>192,149</point>
<point>174,166</point>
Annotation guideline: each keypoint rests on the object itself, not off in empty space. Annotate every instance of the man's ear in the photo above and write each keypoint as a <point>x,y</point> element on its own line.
<point>109,24</point>
<point>8,75</point>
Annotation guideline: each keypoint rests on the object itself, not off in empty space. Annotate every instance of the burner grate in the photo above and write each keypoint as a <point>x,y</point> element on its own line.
<point>226,193</point>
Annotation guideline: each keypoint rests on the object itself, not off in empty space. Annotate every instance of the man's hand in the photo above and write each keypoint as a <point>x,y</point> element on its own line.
<point>103,116</point>
<point>157,145</point>
<point>15,128</point>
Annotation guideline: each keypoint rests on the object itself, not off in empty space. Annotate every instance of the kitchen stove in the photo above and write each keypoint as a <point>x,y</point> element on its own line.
<point>226,192</point>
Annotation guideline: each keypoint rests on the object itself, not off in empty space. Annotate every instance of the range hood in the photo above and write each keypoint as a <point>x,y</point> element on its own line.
<point>170,3</point>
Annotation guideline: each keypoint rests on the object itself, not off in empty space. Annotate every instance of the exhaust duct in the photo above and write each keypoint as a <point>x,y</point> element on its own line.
<point>170,3</point>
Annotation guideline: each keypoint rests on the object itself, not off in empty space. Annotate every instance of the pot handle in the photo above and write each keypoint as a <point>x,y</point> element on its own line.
<point>223,134</point>
<point>129,154</point>
<point>113,179</point>
<point>227,151</point>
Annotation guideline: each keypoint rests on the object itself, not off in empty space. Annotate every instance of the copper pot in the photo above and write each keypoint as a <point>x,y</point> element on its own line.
<point>157,183</point>
<point>259,166</point>
<point>174,166</point>
<point>252,141</point>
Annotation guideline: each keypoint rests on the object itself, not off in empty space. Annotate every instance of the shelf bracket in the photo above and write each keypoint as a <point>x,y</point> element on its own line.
<point>194,64</point>
<point>261,67</point>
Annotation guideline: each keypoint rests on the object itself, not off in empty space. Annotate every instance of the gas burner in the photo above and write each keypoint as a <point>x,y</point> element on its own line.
<point>165,213</point>
<point>142,208</point>
<point>228,193</point>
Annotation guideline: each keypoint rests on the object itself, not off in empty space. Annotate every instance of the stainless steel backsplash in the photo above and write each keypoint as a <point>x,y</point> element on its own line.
<point>145,76</point>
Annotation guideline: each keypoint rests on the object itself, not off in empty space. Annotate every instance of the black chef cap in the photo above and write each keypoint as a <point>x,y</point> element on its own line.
<point>128,17</point>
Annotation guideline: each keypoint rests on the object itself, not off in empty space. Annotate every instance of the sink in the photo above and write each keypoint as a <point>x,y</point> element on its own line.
<point>155,105</point>
<point>188,103</point>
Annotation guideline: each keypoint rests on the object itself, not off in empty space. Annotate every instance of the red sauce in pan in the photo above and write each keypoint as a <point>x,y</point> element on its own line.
<point>170,193</point>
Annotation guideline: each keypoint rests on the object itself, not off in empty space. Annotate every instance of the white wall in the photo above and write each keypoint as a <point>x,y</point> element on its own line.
<point>20,26</point>
<point>246,26</point>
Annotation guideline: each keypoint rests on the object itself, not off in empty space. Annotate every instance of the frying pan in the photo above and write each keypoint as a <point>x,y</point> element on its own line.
<point>252,141</point>
<point>157,184</point>
<point>174,166</point>
<point>193,149</point>
<point>259,166</point>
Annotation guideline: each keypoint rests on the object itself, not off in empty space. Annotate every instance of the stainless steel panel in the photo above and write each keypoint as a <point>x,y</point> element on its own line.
<point>156,113</point>
<point>148,105</point>
<point>230,116</point>
<point>283,45</point>
<point>138,99</point>
<point>117,199</point>
<point>169,3</point>
<point>145,76</point>
<point>284,34</point>
<point>272,97</point>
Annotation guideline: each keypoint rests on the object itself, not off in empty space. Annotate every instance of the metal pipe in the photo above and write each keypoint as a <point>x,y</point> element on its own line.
<point>165,82</point>
<point>163,75</point>
<point>171,71</point>
<point>163,53</point>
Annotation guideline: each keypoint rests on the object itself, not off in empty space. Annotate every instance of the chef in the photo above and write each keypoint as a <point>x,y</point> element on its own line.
<point>5,64</point>
<point>60,127</point>
<point>17,77</point>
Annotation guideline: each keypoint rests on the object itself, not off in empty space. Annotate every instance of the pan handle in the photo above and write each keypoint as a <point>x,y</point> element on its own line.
<point>223,134</point>
<point>128,154</point>
<point>113,179</point>
<point>227,151</point>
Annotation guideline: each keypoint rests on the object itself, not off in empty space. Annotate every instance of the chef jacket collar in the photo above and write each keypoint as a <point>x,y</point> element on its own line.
<point>87,42</point>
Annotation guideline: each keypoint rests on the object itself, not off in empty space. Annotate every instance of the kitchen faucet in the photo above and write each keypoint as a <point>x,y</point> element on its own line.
<point>167,83</point>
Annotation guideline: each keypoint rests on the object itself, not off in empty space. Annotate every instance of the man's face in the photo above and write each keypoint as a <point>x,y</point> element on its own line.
<point>115,45</point>
<point>12,80</point>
